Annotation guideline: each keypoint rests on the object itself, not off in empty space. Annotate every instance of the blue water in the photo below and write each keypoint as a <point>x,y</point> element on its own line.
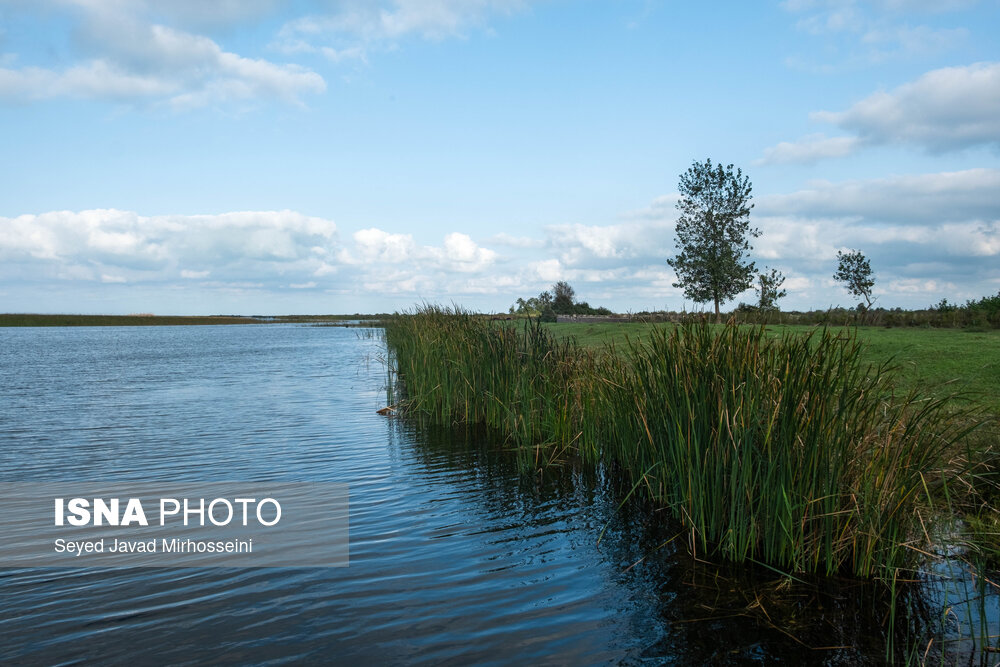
<point>456,554</point>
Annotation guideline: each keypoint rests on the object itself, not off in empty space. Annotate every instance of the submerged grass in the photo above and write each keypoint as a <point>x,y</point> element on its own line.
<point>789,451</point>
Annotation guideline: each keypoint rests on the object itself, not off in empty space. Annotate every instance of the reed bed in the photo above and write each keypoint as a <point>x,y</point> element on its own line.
<point>458,367</point>
<point>789,452</point>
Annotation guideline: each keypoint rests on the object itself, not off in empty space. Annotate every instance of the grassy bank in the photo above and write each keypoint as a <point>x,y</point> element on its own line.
<point>938,362</point>
<point>777,447</point>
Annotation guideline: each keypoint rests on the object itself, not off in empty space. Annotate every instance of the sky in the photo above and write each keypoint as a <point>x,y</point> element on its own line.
<point>342,156</point>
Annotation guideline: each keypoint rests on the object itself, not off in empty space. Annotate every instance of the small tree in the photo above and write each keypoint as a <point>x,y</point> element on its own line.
<point>854,270</point>
<point>769,290</point>
<point>713,234</point>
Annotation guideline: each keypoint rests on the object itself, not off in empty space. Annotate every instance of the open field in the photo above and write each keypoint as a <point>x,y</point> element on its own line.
<point>937,361</point>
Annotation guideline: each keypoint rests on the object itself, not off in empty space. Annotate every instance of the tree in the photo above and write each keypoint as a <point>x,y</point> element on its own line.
<point>855,271</point>
<point>769,290</point>
<point>713,234</point>
<point>563,298</point>
<point>533,306</point>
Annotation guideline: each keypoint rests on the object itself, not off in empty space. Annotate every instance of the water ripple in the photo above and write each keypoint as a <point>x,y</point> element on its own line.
<point>455,556</point>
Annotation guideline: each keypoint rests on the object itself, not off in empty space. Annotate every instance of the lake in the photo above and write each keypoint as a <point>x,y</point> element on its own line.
<point>456,554</point>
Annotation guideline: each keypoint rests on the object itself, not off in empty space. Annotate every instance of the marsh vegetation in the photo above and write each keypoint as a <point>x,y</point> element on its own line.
<point>792,449</point>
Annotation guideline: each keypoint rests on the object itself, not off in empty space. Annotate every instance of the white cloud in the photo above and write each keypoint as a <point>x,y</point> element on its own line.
<point>916,198</point>
<point>926,235</point>
<point>549,270</point>
<point>375,245</point>
<point>194,275</point>
<point>459,253</point>
<point>151,53</point>
<point>583,244</point>
<point>940,231</point>
<point>114,245</point>
<point>945,109</point>
<point>928,231</point>
<point>130,59</point>
<point>97,79</point>
<point>809,149</point>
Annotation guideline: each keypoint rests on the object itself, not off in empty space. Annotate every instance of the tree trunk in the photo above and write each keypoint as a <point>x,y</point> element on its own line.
<point>718,318</point>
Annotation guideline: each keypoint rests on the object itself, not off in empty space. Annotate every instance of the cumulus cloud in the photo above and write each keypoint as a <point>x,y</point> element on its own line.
<point>928,236</point>
<point>946,109</point>
<point>940,232</point>
<point>604,245</point>
<point>128,58</point>
<point>914,198</point>
<point>263,251</point>
<point>458,253</point>
<point>932,230</point>
<point>155,53</point>
<point>97,244</point>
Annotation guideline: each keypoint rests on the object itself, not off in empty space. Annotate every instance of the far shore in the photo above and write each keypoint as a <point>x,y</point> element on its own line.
<point>146,319</point>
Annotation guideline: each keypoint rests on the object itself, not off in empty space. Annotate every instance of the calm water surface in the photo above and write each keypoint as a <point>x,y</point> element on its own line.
<point>456,556</point>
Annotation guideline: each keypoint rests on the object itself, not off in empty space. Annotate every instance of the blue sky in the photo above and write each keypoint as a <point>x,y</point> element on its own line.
<point>343,156</point>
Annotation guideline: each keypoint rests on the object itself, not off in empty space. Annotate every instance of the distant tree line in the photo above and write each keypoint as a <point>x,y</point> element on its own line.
<point>561,300</point>
<point>974,314</point>
<point>712,265</point>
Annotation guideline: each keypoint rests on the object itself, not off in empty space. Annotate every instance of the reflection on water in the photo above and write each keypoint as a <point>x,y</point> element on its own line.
<point>455,555</point>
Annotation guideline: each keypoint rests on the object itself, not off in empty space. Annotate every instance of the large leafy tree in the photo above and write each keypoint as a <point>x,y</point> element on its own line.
<point>713,234</point>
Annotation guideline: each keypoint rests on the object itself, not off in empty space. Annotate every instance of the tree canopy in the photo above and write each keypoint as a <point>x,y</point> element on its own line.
<point>769,290</point>
<point>855,271</point>
<point>563,298</point>
<point>713,233</point>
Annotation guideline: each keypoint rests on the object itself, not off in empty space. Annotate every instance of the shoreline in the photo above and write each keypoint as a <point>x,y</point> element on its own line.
<point>70,320</point>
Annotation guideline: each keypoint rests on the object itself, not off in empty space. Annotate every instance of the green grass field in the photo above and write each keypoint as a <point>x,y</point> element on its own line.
<point>938,361</point>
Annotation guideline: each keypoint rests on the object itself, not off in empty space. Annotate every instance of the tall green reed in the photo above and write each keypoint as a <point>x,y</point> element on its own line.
<point>786,451</point>
<point>790,451</point>
<point>453,366</point>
